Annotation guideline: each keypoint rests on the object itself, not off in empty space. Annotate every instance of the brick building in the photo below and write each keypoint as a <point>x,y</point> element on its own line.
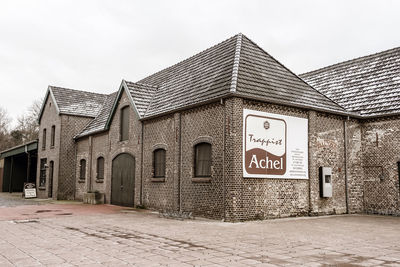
<point>231,133</point>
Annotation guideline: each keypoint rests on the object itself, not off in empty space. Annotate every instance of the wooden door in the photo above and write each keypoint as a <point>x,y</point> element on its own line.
<point>123,180</point>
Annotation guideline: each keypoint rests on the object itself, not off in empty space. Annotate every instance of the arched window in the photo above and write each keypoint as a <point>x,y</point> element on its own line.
<point>82,169</point>
<point>124,124</point>
<point>159,163</point>
<point>202,160</point>
<point>53,135</point>
<point>100,168</point>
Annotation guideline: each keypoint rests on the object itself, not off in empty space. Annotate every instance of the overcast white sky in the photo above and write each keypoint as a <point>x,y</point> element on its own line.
<point>93,45</point>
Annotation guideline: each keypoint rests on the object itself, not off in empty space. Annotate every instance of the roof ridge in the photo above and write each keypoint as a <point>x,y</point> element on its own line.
<point>141,83</point>
<point>349,60</point>
<point>187,59</point>
<point>76,90</point>
<point>236,60</point>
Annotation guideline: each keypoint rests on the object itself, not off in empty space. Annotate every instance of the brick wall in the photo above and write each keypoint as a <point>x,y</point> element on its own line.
<point>380,154</point>
<point>98,146</point>
<point>131,146</point>
<point>201,196</point>
<point>248,198</point>
<point>49,118</point>
<point>326,149</point>
<point>354,167</point>
<point>160,193</point>
<point>70,127</point>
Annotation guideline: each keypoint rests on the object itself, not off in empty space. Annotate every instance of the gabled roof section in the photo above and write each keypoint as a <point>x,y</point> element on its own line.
<point>200,78</point>
<point>98,124</point>
<point>261,76</point>
<point>76,102</point>
<point>141,95</point>
<point>236,66</point>
<point>369,85</point>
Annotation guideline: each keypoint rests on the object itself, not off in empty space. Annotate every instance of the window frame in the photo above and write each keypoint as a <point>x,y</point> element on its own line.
<point>42,173</point>
<point>82,170</point>
<point>98,177</point>
<point>122,130</point>
<point>195,161</point>
<point>155,163</point>
<point>44,137</point>
<point>52,136</point>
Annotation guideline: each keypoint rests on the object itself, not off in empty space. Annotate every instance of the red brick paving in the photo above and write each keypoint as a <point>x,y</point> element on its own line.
<point>25,212</point>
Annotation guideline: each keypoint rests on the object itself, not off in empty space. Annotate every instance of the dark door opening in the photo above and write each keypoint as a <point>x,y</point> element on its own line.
<point>123,180</point>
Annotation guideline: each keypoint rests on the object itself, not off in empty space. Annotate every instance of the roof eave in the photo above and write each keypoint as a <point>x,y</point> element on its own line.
<point>296,105</point>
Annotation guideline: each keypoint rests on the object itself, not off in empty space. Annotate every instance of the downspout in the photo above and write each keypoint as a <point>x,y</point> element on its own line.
<point>90,162</point>
<point>309,164</point>
<point>141,165</point>
<point>345,164</point>
<point>223,161</point>
<point>180,163</point>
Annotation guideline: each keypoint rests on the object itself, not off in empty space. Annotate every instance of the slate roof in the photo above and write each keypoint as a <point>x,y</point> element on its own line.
<point>202,77</point>
<point>262,76</point>
<point>98,124</point>
<point>235,66</point>
<point>78,103</point>
<point>369,85</point>
<point>141,94</point>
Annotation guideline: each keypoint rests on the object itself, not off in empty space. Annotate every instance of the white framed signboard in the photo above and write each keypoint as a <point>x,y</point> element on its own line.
<point>274,146</point>
<point>30,190</point>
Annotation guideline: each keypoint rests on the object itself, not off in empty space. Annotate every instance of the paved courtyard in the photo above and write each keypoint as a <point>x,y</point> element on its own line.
<point>82,235</point>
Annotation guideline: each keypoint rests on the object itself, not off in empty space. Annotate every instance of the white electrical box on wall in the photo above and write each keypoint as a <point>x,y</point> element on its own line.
<point>325,181</point>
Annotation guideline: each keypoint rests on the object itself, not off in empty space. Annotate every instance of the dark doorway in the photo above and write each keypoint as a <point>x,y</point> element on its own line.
<point>123,180</point>
<point>51,173</point>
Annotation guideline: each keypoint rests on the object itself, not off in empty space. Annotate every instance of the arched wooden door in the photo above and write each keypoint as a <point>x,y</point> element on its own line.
<point>123,180</point>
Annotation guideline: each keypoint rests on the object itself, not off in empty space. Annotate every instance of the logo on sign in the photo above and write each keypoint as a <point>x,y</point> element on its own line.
<point>265,145</point>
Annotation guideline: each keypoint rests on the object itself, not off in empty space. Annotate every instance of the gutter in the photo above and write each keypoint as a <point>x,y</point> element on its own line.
<point>257,98</point>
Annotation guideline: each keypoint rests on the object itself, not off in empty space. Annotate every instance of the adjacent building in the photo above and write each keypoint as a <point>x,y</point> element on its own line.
<point>230,133</point>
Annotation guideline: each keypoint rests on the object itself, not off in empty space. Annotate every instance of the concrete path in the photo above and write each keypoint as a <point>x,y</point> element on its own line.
<point>107,235</point>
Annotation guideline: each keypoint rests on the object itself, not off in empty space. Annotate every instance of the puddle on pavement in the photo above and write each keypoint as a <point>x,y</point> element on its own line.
<point>26,221</point>
<point>43,211</point>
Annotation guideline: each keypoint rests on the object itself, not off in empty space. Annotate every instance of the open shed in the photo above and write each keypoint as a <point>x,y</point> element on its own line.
<point>19,166</point>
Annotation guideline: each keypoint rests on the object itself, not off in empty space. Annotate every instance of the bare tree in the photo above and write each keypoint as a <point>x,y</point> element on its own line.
<point>27,128</point>
<point>5,140</point>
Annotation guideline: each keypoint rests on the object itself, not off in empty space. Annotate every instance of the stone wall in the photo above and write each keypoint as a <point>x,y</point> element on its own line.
<point>380,155</point>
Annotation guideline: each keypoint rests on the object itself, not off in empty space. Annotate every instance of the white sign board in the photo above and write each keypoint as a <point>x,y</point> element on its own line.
<point>30,190</point>
<point>274,146</point>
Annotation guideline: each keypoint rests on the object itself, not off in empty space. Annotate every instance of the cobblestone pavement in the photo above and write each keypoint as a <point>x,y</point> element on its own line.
<point>142,238</point>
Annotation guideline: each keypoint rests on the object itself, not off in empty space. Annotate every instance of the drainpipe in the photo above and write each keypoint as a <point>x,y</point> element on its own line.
<point>180,163</point>
<point>345,164</point>
<point>223,160</point>
<point>90,162</point>
<point>141,166</point>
